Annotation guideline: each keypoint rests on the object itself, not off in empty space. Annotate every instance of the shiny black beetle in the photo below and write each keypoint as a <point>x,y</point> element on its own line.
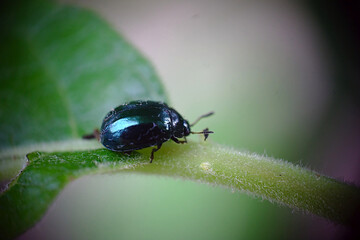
<point>140,124</point>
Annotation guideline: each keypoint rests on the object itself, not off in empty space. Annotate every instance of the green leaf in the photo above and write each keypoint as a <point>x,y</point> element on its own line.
<point>278,181</point>
<point>61,70</point>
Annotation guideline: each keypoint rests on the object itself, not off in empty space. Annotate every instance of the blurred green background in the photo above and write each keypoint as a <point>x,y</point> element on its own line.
<point>281,77</point>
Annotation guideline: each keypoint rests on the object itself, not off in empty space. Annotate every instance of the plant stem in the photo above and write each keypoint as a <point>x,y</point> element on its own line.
<point>272,179</point>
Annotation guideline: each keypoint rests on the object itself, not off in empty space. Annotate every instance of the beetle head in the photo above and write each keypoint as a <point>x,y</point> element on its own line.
<point>186,128</point>
<point>181,129</point>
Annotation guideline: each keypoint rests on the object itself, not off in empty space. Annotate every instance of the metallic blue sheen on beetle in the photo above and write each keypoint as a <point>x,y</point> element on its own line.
<point>141,124</point>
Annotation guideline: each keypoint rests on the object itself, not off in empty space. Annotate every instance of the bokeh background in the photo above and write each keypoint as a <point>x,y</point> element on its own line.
<point>283,79</point>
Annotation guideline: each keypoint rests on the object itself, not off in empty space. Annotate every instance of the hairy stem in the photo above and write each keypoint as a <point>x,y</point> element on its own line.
<point>272,179</point>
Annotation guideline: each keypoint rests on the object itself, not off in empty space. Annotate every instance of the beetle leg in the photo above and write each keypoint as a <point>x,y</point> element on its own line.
<point>178,141</point>
<point>127,153</point>
<point>154,150</point>
<point>95,134</point>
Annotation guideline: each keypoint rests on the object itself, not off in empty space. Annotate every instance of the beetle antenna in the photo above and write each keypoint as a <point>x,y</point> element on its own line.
<point>206,133</point>
<point>202,116</point>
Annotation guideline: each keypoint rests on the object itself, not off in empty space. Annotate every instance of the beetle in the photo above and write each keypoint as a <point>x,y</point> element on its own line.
<point>141,124</point>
